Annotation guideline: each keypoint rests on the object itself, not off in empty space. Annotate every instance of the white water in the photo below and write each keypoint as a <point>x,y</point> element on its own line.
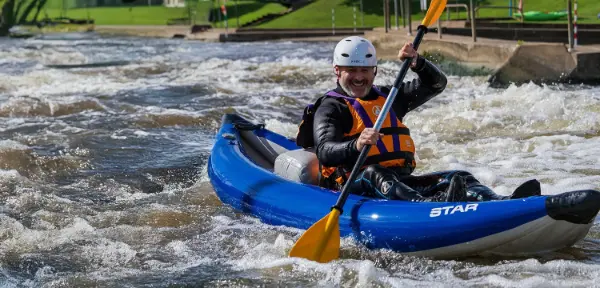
<point>79,147</point>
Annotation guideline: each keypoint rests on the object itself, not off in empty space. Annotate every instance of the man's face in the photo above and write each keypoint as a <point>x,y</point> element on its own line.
<point>356,81</point>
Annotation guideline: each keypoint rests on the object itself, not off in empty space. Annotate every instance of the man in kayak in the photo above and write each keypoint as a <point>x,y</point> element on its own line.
<point>337,126</point>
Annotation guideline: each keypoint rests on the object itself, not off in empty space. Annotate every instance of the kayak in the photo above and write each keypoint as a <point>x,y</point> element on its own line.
<point>265,174</point>
<point>541,16</point>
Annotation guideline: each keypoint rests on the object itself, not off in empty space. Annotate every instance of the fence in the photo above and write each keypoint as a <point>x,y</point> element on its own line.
<point>448,6</point>
<point>474,14</point>
<point>501,7</point>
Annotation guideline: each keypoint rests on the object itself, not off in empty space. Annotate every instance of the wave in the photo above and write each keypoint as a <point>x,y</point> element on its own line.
<point>33,107</point>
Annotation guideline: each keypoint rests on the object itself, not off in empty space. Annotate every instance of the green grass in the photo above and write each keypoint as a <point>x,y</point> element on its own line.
<point>203,12</point>
<point>246,11</point>
<point>124,15</point>
<point>140,15</point>
<point>318,14</point>
<point>314,15</point>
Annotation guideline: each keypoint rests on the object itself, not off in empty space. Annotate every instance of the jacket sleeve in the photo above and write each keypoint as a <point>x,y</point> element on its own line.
<point>429,83</point>
<point>330,122</point>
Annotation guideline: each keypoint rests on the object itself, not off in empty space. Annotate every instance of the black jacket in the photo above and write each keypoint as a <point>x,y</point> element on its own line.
<point>333,118</point>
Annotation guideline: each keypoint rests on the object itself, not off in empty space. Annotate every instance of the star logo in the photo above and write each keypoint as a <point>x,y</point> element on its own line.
<point>376,110</point>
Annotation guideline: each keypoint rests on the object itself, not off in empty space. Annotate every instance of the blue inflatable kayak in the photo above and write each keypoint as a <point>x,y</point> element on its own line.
<point>267,175</point>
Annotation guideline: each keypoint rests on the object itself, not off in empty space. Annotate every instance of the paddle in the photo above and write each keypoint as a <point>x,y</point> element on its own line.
<point>321,242</point>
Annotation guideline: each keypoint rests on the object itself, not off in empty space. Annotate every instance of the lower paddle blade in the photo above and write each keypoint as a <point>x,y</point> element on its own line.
<point>436,8</point>
<point>321,242</point>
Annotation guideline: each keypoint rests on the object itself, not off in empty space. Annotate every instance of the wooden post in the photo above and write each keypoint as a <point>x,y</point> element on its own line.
<point>386,15</point>
<point>396,13</point>
<point>384,18</point>
<point>570,23</point>
<point>575,36</point>
<point>403,13</point>
<point>472,11</point>
<point>408,17</point>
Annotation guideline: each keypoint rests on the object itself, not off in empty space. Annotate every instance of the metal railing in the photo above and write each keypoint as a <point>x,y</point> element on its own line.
<point>501,7</point>
<point>448,6</point>
<point>475,13</point>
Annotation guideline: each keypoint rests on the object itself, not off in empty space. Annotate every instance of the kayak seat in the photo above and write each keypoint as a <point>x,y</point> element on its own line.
<point>258,149</point>
<point>298,165</point>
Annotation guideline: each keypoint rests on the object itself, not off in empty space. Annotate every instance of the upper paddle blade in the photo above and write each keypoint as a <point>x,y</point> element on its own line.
<point>436,8</point>
<point>321,242</point>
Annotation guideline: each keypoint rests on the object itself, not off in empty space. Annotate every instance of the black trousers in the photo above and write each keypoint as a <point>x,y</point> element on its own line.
<point>381,182</point>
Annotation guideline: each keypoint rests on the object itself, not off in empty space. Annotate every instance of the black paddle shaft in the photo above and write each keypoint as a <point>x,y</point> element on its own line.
<point>422,29</point>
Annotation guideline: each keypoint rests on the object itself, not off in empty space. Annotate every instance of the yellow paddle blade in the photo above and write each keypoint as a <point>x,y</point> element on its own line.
<point>436,8</point>
<point>321,242</point>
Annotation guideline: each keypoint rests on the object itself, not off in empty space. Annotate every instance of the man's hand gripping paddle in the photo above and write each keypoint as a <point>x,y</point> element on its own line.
<point>321,242</point>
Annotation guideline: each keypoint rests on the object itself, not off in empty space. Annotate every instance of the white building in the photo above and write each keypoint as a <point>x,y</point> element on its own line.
<point>174,3</point>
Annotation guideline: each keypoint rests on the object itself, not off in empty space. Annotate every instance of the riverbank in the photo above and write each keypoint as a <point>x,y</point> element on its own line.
<point>512,61</point>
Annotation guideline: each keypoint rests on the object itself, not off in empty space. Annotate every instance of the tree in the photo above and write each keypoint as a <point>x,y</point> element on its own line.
<point>17,12</point>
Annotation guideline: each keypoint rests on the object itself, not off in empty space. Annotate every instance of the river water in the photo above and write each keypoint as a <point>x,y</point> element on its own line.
<point>104,144</point>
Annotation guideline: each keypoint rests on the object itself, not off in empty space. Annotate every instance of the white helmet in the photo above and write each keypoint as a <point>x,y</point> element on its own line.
<point>354,51</point>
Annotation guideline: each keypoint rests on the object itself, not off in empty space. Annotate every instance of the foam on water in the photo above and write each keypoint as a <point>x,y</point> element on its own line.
<point>81,147</point>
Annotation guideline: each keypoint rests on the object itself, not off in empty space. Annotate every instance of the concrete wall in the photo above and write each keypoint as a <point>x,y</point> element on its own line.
<point>249,34</point>
<point>490,56</point>
<point>588,68</point>
<point>541,63</point>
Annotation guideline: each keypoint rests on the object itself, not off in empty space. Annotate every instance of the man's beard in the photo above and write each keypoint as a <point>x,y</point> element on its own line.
<point>349,92</point>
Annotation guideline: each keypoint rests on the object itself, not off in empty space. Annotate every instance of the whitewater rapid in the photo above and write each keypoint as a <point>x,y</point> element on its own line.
<point>103,167</point>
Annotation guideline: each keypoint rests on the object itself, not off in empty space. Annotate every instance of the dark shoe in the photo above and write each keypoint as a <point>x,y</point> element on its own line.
<point>527,189</point>
<point>457,189</point>
<point>456,192</point>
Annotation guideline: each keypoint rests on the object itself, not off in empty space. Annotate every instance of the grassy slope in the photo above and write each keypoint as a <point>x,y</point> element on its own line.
<point>318,14</point>
<point>159,15</point>
<point>247,11</point>
<point>141,15</point>
<point>203,12</point>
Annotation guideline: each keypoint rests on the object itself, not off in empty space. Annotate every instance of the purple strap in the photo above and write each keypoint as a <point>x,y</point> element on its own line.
<point>335,94</point>
<point>396,138</point>
<point>363,116</point>
<point>392,114</point>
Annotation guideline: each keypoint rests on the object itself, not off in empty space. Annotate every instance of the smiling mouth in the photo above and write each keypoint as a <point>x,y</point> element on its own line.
<point>358,84</point>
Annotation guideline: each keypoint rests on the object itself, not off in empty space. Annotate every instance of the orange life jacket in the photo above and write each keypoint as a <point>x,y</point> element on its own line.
<point>395,149</point>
